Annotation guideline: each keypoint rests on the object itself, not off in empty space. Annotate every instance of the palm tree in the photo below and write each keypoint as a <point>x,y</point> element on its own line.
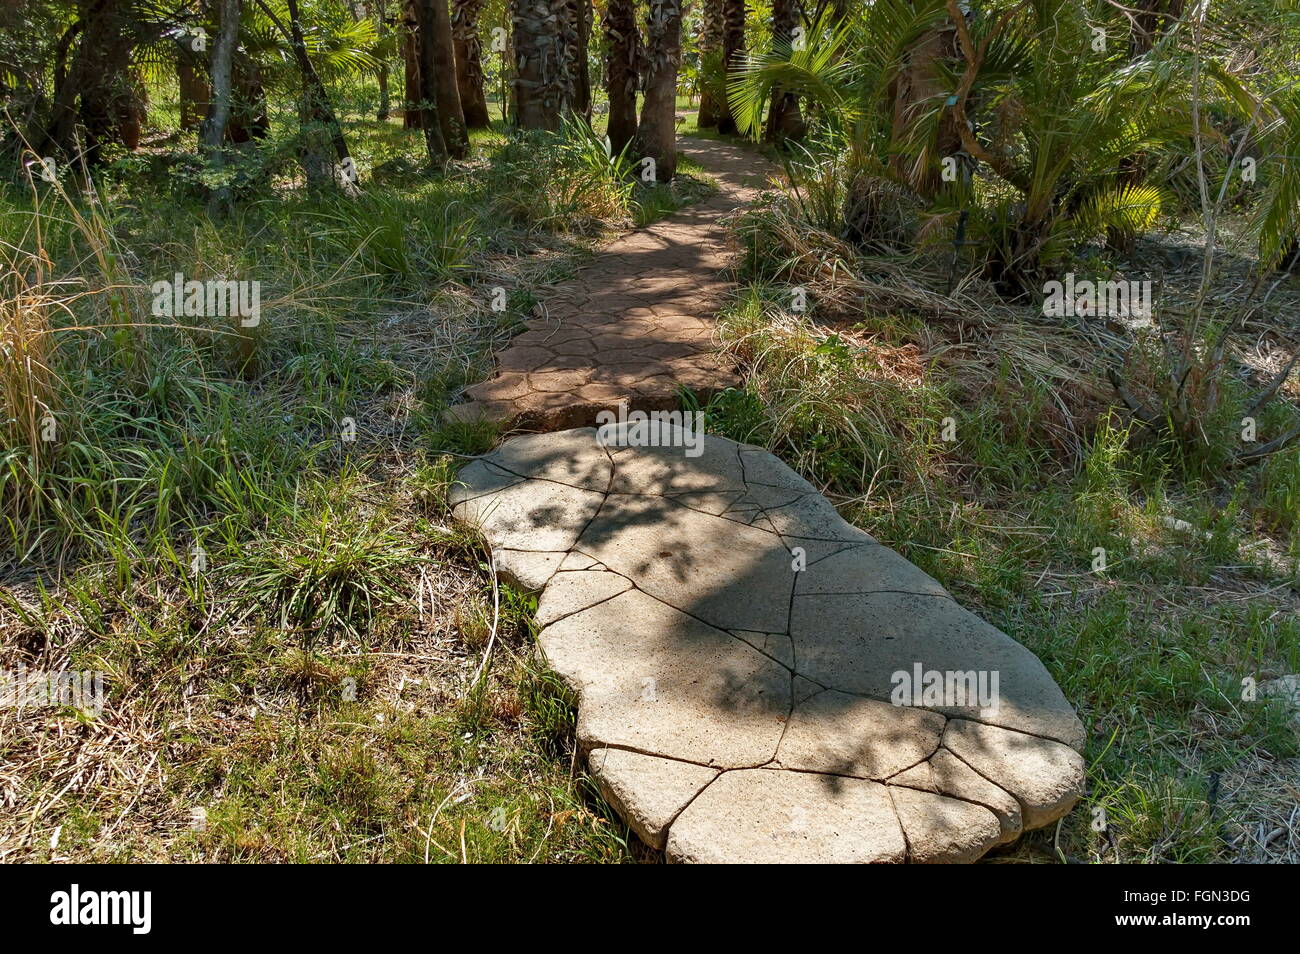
<point>412,114</point>
<point>577,36</point>
<point>783,119</point>
<point>539,86</point>
<point>383,51</point>
<point>713,95</point>
<point>426,29</point>
<point>1151,19</point>
<point>733,53</point>
<point>319,126</point>
<point>656,136</point>
<point>88,94</point>
<point>622,70</point>
<point>917,89</point>
<point>469,63</point>
<point>450,113</point>
<point>1052,122</point>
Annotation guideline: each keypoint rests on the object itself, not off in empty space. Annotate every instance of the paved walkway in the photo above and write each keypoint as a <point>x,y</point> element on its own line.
<point>636,323</point>
<point>736,647</point>
<point>738,652</point>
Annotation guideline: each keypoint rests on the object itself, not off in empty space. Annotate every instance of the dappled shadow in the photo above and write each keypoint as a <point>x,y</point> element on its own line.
<point>635,325</point>
<point>756,629</point>
<point>702,568</point>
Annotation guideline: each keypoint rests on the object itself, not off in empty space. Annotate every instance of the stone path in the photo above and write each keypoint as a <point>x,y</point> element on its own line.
<point>736,647</point>
<point>633,326</point>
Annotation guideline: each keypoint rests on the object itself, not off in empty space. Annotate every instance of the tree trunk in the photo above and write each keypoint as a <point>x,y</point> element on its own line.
<point>469,62</point>
<point>916,88</point>
<point>131,110</point>
<point>733,50</point>
<point>711,104</point>
<point>195,92</point>
<point>91,91</point>
<point>412,115</point>
<point>540,82</point>
<point>426,30</point>
<point>213,131</point>
<point>212,134</point>
<point>444,74</point>
<point>784,120</point>
<point>657,134</point>
<point>318,125</point>
<point>576,34</point>
<point>248,118</point>
<point>381,71</point>
<point>1151,20</point>
<point>622,70</point>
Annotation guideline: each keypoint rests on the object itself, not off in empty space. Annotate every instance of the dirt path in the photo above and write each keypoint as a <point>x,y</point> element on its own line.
<point>636,323</point>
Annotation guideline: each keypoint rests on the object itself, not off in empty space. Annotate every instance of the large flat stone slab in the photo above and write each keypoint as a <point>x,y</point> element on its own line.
<point>757,680</point>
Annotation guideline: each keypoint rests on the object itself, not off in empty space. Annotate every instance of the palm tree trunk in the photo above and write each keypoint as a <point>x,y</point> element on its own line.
<point>711,104</point>
<point>87,96</point>
<point>469,62</point>
<point>577,39</point>
<point>248,118</point>
<point>656,135</point>
<point>622,70</point>
<point>540,93</point>
<point>381,70</point>
<point>784,120</point>
<point>195,93</point>
<point>426,30</point>
<point>916,88</point>
<point>412,115</point>
<point>733,49</point>
<point>444,62</point>
<point>1151,20</point>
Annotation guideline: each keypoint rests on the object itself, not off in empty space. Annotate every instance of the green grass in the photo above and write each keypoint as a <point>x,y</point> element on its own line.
<point>246,530</point>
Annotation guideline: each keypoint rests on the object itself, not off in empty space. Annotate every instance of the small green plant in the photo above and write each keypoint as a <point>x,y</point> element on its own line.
<point>324,569</point>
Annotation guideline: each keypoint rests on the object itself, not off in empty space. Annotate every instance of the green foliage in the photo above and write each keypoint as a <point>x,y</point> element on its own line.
<point>400,237</point>
<point>321,568</point>
<point>1277,218</point>
<point>566,181</point>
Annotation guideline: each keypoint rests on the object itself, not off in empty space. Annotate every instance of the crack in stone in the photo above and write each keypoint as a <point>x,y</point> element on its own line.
<point>1024,808</point>
<point>821,593</point>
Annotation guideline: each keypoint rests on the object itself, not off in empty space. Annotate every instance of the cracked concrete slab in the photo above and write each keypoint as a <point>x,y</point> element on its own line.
<point>765,815</point>
<point>737,703</point>
<point>649,791</point>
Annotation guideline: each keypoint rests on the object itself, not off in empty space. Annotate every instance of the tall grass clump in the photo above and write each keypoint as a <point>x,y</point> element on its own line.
<point>397,237</point>
<point>838,407</point>
<point>29,388</point>
<point>570,181</point>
